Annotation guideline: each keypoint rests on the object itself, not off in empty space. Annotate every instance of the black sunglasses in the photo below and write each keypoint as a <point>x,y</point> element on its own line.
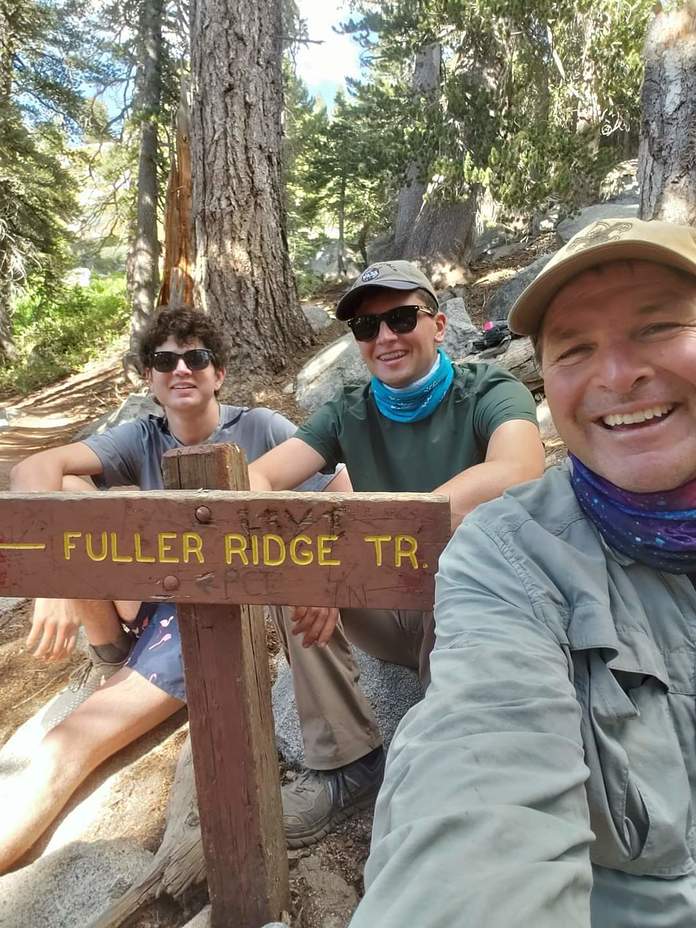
<point>401,319</point>
<point>196,359</point>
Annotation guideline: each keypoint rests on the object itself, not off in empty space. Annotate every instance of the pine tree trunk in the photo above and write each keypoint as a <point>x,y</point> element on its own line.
<point>243,273</point>
<point>667,153</point>
<point>426,84</point>
<point>431,229</point>
<point>7,349</point>
<point>6,49</point>
<point>340,256</point>
<point>143,260</point>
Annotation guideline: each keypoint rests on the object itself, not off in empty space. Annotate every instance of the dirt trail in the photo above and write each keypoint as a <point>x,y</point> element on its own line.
<point>53,415</point>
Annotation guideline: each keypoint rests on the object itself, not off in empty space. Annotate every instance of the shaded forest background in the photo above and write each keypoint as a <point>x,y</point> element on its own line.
<point>119,121</point>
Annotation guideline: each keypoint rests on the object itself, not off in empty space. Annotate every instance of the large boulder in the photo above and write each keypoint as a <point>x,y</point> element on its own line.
<point>69,887</point>
<point>501,302</point>
<point>460,331</point>
<point>335,366</point>
<point>317,316</point>
<point>391,689</point>
<point>339,364</point>
<point>325,261</point>
<point>610,210</point>
<point>135,406</point>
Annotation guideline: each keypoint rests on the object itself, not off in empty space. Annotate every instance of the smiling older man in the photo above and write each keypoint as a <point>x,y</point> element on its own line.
<point>549,776</point>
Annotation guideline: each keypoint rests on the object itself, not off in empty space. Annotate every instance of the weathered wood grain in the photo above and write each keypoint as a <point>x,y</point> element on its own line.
<point>378,550</point>
<point>228,690</point>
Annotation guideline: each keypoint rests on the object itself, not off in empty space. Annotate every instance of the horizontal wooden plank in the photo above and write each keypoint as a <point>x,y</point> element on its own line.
<point>362,549</point>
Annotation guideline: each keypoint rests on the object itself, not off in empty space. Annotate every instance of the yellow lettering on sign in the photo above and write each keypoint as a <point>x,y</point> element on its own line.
<point>378,541</point>
<point>115,556</point>
<point>138,551</point>
<point>192,546</point>
<point>324,543</point>
<point>268,559</point>
<point>254,550</point>
<point>236,544</point>
<point>302,558</point>
<point>91,554</point>
<point>405,546</point>
<point>68,544</point>
<point>164,548</point>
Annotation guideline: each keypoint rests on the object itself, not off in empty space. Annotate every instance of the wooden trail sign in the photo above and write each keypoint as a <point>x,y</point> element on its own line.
<point>212,547</point>
<point>220,555</point>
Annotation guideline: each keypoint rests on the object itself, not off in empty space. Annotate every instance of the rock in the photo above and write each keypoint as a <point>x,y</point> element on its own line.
<point>325,262</point>
<point>501,302</point>
<point>67,888</point>
<point>202,920</point>
<point>460,330</point>
<point>8,603</point>
<point>621,183</point>
<point>289,389</point>
<point>335,366</point>
<point>391,689</point>
<point>134,406</point>
<point>327,893</point>
<point>490,239</point>
<point>317,316</point>
<point>611,210</point>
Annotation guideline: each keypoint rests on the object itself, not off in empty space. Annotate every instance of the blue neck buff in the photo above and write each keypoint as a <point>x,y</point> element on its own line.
<point>657,529</point>
<point>421,399</point>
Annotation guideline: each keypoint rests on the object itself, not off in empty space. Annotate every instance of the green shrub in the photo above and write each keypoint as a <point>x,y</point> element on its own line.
<point>55,337</point>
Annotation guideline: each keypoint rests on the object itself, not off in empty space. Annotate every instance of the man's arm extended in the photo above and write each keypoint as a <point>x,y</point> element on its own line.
<point>515,454</point>
<point>286,466</point>
<point>46,469</point>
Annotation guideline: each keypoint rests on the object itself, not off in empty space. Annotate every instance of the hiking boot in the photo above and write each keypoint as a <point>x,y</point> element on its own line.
<point>84,680</point>
<point>316,801</point>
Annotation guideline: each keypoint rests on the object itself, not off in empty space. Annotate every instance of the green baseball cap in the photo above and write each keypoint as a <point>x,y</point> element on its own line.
<point>603,241</point>
<point>392,275</point>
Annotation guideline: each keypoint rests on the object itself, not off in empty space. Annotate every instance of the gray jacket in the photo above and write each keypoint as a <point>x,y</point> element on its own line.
<point>547,779</point>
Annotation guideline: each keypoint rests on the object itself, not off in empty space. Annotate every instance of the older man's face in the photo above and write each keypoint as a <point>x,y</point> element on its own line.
<point>619,363</point>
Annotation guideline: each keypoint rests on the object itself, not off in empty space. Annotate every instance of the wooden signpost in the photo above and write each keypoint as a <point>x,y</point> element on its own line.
<point>221,555</point>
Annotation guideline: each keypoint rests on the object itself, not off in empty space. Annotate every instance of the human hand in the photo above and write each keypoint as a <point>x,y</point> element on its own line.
<point>316,623</point>
<point>54,629</point>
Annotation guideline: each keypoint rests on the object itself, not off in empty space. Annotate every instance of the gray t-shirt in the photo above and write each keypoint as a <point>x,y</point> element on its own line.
<point>131,453</point>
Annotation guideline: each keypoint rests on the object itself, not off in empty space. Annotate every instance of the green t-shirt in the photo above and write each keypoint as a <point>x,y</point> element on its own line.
<point>387,456</point>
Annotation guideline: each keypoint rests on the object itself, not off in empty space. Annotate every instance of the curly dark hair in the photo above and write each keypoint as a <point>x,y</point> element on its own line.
<point>184,324</point>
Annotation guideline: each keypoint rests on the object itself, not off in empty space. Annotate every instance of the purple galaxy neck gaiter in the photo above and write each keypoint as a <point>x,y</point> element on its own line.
<point>658,529</point>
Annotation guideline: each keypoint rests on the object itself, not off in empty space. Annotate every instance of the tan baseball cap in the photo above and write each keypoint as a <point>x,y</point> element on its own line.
<point>392,275</point>
<point>603,241</point>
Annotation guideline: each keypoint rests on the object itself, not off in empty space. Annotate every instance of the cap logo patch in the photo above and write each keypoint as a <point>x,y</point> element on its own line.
<point>600,233</point>
<point>369,274</point>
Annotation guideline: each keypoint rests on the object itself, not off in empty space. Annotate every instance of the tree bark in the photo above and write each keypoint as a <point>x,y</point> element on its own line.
<point>425,84</point>
<point>6,50</point>
<point>177,279</point>
<point>426,228</point>
<point>243,273</point>
<point>340,256</point>
<point>667,153</point>
<point>143,260</point>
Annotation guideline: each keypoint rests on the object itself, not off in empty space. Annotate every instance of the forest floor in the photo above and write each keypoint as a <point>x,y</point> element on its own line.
<point>325,882</point>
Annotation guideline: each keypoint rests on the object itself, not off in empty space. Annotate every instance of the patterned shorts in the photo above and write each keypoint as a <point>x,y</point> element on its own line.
<point>156,654</point>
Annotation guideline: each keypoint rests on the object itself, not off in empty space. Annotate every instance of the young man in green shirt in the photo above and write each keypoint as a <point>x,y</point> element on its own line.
<point>421,425</point>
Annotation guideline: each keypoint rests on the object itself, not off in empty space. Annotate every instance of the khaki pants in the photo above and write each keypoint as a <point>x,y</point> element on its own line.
<point>337,722</point>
